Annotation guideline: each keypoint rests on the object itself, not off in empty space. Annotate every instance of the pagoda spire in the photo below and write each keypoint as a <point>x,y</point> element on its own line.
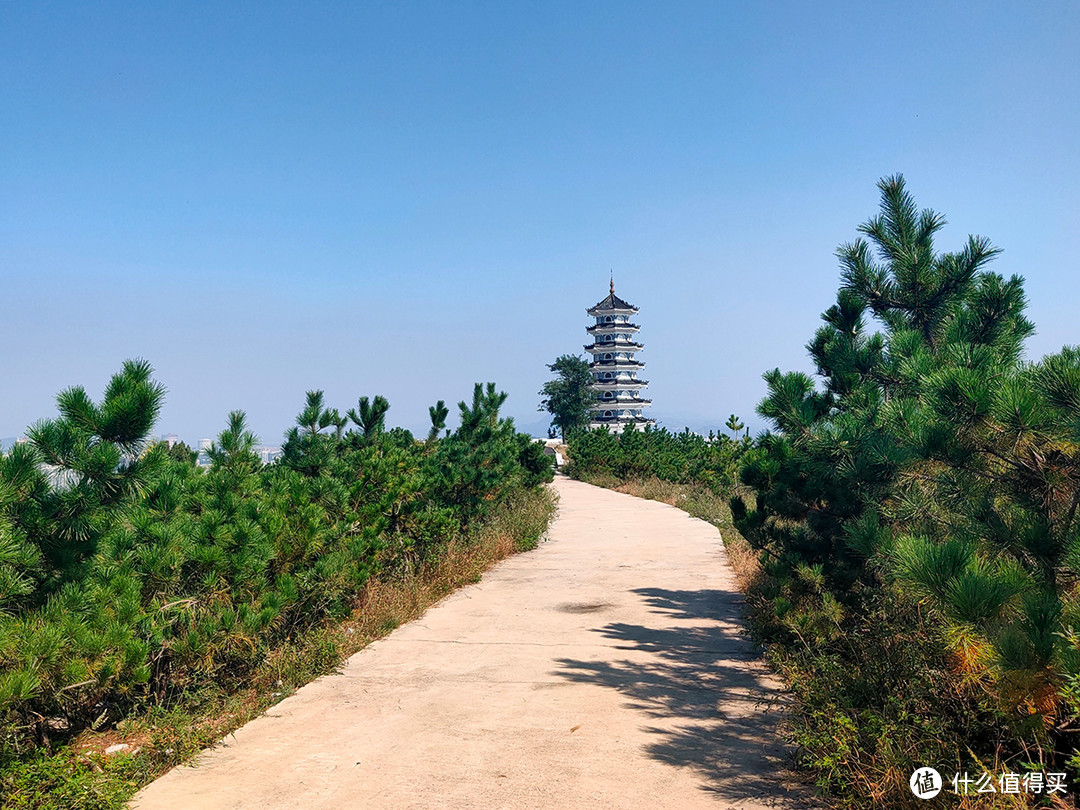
<point>612,282</point>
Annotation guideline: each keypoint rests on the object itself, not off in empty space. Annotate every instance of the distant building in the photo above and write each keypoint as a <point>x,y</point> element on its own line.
<point>614,367</point>
<point>203,459</point>
<point>170,439</point>
<point>268,455</point>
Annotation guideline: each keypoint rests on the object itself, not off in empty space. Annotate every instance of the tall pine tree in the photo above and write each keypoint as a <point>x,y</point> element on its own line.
<point>932,461</point>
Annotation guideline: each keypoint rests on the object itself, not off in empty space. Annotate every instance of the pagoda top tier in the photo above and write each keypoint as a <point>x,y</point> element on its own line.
<point>611,304</point>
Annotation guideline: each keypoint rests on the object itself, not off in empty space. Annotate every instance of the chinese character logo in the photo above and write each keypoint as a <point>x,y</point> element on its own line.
<point>925,783</point>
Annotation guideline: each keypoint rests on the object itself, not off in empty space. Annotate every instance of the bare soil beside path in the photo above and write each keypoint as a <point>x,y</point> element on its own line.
<point>606,669</point>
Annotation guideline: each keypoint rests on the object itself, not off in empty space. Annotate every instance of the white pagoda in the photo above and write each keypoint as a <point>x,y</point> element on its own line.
<point>614,369</point>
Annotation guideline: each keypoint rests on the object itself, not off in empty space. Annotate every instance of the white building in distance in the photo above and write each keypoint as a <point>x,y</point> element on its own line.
<point>614,367</point>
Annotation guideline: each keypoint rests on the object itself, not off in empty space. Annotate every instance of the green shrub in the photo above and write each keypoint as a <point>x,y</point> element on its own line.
<point>650,453</point>
<point>130,578</point>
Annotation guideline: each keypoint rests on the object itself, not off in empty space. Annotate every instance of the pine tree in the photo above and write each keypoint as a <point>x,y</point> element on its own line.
<point>735,425</point>
<point>932,460</point>
<point>94,454</point>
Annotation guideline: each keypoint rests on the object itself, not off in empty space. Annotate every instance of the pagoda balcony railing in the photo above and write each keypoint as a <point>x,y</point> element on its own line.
<point>619,404</point>
<point>612,345</point>
<point>626,364</point>
<point>641,420</point>
<point>619,383</point>
<point>612,327</point>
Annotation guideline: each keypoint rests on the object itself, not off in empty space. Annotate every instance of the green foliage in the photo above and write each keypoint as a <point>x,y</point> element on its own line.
<point>370,416</point>
<point>568,397</point>
<point>93,455</point>
<point>130,577</point>
<point>44,781</point>
<point>438,413</point>
<point>637,454</point>
<point>485,459</point>
<point>182,453</point>
<point>873,699</point>
<point>938,472</point>
<point>735,425</point>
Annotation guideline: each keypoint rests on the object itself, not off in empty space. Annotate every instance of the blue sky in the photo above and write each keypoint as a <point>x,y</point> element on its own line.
<point>405,198</point>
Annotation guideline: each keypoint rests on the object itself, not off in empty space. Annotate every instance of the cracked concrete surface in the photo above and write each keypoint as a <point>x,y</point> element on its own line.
<point>606,669</point>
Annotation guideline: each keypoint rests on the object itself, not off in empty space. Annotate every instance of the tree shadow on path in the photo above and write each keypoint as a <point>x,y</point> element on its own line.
<point>699,686</point>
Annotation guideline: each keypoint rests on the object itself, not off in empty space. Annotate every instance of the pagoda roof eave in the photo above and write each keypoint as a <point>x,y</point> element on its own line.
<point>611,304</point>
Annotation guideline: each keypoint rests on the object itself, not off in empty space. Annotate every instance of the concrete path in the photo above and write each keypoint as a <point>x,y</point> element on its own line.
<point>606,669</point>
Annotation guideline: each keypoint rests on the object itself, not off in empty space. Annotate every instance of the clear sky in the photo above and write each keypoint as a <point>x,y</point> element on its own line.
<point>405,198</point>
